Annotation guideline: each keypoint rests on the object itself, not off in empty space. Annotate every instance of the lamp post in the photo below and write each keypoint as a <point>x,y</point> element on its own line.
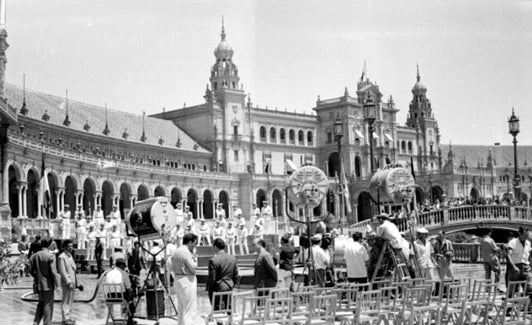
<point>513,126</point>
<point>370,114</point>
<point>338,135</point>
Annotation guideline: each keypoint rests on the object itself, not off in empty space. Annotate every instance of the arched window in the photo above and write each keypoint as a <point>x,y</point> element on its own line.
<point>262,134</point>
<point>409,146</point>
<point>358,166</point>
<point>282,135</point>
<point>301,137</point>
<point>273,135</point>
<point>292,136</point>
<point>403,146</point>
<point>310,138</point>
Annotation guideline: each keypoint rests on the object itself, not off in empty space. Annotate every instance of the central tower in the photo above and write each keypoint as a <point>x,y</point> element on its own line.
<point>231,132</point>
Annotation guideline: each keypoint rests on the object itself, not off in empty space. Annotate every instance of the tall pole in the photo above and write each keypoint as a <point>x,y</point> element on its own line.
<point>340,180</point>
<point>370,129</point>
<point>516,174</point>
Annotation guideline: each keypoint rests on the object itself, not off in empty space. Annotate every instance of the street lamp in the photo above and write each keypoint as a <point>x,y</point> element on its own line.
<point>513,126</point>
<point>370,114</point>
<point>338,135</point>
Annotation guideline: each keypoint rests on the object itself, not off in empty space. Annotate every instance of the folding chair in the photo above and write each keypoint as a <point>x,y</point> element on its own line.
<point>114,296</point>
<point>278,311</point>
<point>221,309</point>
<point>253,310</point>
<point>368,308</point>
<point>475,312</point>
<point>513,312</point>
<point>238,304</point>
<point>323,311</point>
<point>453,303</point>
<point>302,306</point>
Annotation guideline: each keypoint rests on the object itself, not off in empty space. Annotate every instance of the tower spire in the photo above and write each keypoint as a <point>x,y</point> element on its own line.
<point>223,29</point>
<point>364,72</point>
<point>418,76</point>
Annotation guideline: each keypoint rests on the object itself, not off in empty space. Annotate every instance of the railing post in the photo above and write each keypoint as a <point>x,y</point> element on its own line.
<point>511,213</point>
<point>445,220</point>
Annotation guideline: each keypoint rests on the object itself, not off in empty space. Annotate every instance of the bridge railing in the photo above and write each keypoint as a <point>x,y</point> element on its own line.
<point>470,253</point>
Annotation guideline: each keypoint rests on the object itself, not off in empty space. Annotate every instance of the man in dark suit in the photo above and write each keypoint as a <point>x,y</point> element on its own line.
<point>265,274</point>
<point>223,273</point>
<point>35,246</point>
<point>98,251</point>
<point>43,268</point>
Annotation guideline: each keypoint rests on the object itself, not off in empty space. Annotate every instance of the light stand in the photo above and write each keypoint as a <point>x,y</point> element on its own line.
<point>155,274</point>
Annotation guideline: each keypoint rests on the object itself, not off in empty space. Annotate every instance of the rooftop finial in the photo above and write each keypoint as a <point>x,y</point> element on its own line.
<point>66,122</point>
<point>106,129</point>
<point>24,109</point>
<point>143,137</point>
<point>223,29</point>
<point>418,76</point>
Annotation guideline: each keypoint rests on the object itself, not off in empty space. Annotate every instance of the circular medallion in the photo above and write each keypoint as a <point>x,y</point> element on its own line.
<point>306,189</point>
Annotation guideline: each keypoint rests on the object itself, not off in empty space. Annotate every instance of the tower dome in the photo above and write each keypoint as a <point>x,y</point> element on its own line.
<point>224,49</point>
<point>419,87</point>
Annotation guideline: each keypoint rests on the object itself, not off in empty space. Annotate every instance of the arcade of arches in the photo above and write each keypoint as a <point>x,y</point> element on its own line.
<point>86,193</point>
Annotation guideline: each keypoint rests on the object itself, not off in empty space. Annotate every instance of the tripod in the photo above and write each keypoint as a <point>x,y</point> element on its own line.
<point>309,265</point>
<point>155,274</point>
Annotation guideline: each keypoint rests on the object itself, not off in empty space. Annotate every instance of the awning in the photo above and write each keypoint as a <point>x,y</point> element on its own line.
<point>359,135</point>
<point>388,137</point>
<point>290,166</point>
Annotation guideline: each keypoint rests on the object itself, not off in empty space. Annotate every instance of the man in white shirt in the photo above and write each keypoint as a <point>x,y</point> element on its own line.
<point>116,215</point>
<point>237,212</point>
<point>518,258</point>
<point>425,253</point>
<point>184,264</point>
<point>321,261</point>
<point>387,230</point>
<point>356,256</point>
<point>220,212</point>
<point>255,214</point>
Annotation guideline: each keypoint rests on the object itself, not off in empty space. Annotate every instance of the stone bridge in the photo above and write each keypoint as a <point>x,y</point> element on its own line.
<point>455,219</point>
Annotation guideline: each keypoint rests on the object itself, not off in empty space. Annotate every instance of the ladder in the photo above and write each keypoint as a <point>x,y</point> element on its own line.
<point>388,260</point>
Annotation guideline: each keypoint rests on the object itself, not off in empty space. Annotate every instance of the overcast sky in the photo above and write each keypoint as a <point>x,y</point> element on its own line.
<point>474,56</point>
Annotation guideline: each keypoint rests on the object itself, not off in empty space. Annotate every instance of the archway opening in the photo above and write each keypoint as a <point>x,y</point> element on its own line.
<point>32,197</point>
<point>208,212</point>
<point>176,196</point>
<point>334,164</point>
<point>107,197</point>
<point>436,194</point>
<point>70,195</point>
<point>159,191</point>
<point>192,198</point>
<point>125,199</point>
<point>260,197</point>
<point>364,207</point>
<point>88,196</point>
<point>53,183</point>
<point>420,196</point>
<point>277,203</point>
<point>223,198</point>
<point>13,191</point>
<point>142,192</point>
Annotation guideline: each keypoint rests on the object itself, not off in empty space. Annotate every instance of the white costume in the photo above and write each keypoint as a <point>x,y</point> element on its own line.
<point>65,224</point>
<point>230,235</point>
<point>204,234</point>
<point>81,232</point>
<point>98,218</point>
<point>242,240</point>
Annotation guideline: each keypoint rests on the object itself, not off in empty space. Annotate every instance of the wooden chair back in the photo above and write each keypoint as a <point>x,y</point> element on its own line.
<point>323,310</point>
<point>278,311</point>
<point>515,310</point>
<point>516,289</point>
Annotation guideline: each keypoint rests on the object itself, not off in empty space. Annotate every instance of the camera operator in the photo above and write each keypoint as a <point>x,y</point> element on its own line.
<point>118,275</point>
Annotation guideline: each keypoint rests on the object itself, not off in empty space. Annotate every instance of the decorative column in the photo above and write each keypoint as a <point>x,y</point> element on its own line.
<point>132,201</point>
<point>20,188</point>
<point>98,199</point>
<point>200,210</point>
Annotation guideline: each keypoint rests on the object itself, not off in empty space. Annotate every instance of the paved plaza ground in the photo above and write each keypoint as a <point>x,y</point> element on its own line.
<point>15,311</point>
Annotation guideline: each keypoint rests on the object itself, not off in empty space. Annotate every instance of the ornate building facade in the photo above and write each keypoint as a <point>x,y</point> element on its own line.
<point>225,150</point>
